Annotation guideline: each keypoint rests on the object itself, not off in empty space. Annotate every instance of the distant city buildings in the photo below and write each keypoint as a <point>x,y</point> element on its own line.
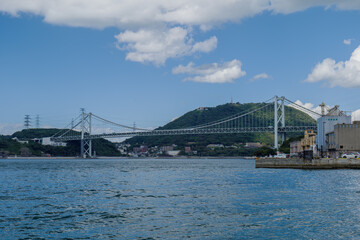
<point>19,141</point>
<point>42,141</point>
<point>187,150</point>
<point>253,145</point>
<point>215,146</point>
<point>48,141</point>
<point>173,153</point>
<point>166,148</point>
<point>308,143</point>
<point>295,148</point>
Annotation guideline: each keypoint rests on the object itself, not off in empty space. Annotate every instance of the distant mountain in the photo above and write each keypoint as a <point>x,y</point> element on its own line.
<point>101,146</point>
<point>209,114</point>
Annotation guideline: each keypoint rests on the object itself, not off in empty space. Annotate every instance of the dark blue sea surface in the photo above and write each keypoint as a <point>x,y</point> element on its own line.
<point>175,199</point>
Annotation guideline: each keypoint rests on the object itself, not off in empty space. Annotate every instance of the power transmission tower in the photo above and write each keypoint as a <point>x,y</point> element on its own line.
<point>27,121</point>
<point>37,121</point>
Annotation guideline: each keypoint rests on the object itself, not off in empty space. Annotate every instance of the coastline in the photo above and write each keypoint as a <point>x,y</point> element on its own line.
<point>105,157</point>
<point>300,163</point>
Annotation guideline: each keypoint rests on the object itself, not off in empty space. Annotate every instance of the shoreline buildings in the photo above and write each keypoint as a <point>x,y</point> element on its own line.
<point>344,138</point>
<point>326,124</point>
<point>336,134</point>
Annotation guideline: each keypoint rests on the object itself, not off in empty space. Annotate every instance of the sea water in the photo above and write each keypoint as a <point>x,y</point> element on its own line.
<point>175,199</point>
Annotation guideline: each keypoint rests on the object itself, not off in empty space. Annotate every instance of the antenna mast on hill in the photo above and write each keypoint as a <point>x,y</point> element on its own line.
<point>37,121</point>
<point>27,121</point>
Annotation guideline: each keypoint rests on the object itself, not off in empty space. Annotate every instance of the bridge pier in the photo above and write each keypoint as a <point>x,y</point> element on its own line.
<point>86,148</point>
<point>85,142</point>
<point>279,119</point>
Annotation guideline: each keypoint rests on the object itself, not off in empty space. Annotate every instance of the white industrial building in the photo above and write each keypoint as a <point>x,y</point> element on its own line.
<point>47,141</point>
<point>326,124</point>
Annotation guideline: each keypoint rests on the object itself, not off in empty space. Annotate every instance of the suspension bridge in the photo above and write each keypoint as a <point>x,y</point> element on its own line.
<point>277,115</point>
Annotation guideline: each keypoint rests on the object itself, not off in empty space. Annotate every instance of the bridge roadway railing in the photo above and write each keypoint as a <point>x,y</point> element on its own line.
<point>188,131</point>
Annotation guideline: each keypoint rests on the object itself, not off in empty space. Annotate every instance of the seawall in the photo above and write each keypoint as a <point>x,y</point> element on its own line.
<point>300,163</point>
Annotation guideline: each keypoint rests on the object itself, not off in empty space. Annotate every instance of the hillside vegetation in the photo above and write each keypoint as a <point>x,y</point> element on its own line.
<point>210,114</point>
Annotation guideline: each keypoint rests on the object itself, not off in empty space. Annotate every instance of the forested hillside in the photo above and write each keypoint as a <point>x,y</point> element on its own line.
<point>209,114</point>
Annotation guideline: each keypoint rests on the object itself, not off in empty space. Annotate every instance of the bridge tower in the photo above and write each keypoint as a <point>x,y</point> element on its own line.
<point>279,120</point>
<point>86,144</point>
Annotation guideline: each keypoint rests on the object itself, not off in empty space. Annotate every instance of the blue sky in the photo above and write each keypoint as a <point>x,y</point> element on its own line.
<point>56,59</point>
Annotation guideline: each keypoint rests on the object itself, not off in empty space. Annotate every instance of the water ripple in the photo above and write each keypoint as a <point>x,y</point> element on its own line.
<point>174,199</point>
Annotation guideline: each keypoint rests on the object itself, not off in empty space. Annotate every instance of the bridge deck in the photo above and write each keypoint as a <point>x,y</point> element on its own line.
<point>187,132</point>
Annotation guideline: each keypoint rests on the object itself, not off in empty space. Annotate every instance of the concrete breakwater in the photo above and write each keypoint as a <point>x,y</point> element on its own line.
<point>300,163</point>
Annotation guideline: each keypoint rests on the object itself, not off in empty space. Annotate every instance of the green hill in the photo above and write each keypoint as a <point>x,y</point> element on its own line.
<point>210,114</point>
<point>35,133</point>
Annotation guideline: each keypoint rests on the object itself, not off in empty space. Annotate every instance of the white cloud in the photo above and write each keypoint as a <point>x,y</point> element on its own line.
<point>343,73</point>
<point>355,115</point>
<point>138,17</point>
<point>140,13</point>
<point>348,41</point>
<point>205,46</point>
<point>156,46</point>
<point>309,106</point>
<point>290,6</point>
<point>135,13</point>
<point>260,76</point>
<point>226,72</point>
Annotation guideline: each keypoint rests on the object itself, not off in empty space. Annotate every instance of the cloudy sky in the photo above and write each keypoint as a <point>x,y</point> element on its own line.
<point>149,61</point>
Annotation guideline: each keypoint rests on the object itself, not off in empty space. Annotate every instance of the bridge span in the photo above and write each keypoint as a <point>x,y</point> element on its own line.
<point>276,115</point>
